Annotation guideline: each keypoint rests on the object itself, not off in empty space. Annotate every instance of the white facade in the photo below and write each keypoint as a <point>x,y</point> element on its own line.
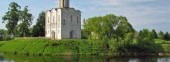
<point>63,22</point>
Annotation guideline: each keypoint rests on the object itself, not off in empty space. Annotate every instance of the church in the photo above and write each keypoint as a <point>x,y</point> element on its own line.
<point>63,22</point>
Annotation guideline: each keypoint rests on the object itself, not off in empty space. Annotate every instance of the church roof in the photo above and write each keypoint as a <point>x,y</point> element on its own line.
<point>52,9</point>
<point>60,8</point>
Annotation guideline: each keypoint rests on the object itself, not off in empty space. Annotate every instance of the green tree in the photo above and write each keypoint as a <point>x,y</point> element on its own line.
<point>166,36</point>
<point>11,17</point>
<point>146,43</point>
<point>169,37</point>
<point>161,35</point>
<point>26,21</point>
<point>124,27</point>
<point>84,34</point>
<point>154,34</point>
<point>39,28</point>
<point>122,45</point>
<point>109,26</point>
<point>4,35</point>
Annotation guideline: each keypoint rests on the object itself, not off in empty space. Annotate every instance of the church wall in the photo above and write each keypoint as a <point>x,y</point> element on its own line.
<point>53,22</point>
<point>47,24</point>
<point>63,21</point>
<point>58,23</point>
<point>71,16</point>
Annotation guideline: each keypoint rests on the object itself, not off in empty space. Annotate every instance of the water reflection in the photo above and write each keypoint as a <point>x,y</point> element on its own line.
<point>19,58</point>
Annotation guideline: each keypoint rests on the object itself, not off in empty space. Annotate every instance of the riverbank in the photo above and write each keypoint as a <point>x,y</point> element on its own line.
<point>165,46</point>
<point>41,46</point>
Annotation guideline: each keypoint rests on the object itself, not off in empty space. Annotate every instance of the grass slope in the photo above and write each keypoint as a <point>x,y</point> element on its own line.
<point>41,46</point>
<point>165,45</point>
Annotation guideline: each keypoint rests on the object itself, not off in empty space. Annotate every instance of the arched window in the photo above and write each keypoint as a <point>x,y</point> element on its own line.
<point>64,22</point>
<point>77,19</point>
<point>48,19</point>
<point>58,21</point>
<point>53,35</point>
<point>58,31</point>
<point>48,31</point>
<point>53,19</point>
<point>71,34</point>
<point>71,18</point>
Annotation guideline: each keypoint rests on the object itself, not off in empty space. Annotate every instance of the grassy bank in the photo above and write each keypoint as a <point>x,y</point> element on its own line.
<point>165,45</point>
<point>41,46</point>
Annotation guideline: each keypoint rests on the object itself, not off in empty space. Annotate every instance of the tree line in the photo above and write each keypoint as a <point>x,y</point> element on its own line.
<point>18,23</point>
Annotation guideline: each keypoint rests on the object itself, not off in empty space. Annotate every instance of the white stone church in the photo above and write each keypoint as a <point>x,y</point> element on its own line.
<point>63,22</point>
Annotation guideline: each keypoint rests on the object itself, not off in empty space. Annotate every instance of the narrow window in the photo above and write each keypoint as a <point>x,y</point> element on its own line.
<point>71,18</point>
<point>64,22</point>
<point>77,19</point>
<point>59,21</point>
<point>48,20</point>
<point>53,19</point>
<point>58,31</point>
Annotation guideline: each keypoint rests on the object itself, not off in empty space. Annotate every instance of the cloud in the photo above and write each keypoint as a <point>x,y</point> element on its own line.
<point>121,2</point>
<point>140,13</point>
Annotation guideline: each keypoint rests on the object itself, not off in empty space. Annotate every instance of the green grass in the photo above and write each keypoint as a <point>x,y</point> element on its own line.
<point>166,48</point>
<point>24,46</point>
<point>159,41</point>
<point>42,46</point>
<point>165,45</point>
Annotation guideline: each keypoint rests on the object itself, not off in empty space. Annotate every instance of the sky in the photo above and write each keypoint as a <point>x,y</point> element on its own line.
<point>150,14</point>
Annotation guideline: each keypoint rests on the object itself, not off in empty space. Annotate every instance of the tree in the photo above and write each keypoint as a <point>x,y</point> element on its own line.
<point>84,34</point>
<point>12,17</point>
<point>124,27</point>
<point>154,34</point>
<point>166,36</point>
<point>4,35</point>
<point>122,45</point>
<point>109,26</point>
<point>39,28</point>
<point>169,37</point>
<point>26,21</point>
<point>161,35</point>
<point>146,43</point>
<point>145,35</point>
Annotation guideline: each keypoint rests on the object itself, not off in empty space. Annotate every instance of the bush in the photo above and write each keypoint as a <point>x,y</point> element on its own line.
<point>146,43</point>
<point>4,36</point>
<point>1,37</point>
<point>122,45</point>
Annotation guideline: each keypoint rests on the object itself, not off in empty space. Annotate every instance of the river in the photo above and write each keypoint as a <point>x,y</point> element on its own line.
<point>20,58</point>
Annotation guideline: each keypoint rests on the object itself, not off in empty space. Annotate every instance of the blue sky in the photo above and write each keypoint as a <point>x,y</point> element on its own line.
<point>151,14</point>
